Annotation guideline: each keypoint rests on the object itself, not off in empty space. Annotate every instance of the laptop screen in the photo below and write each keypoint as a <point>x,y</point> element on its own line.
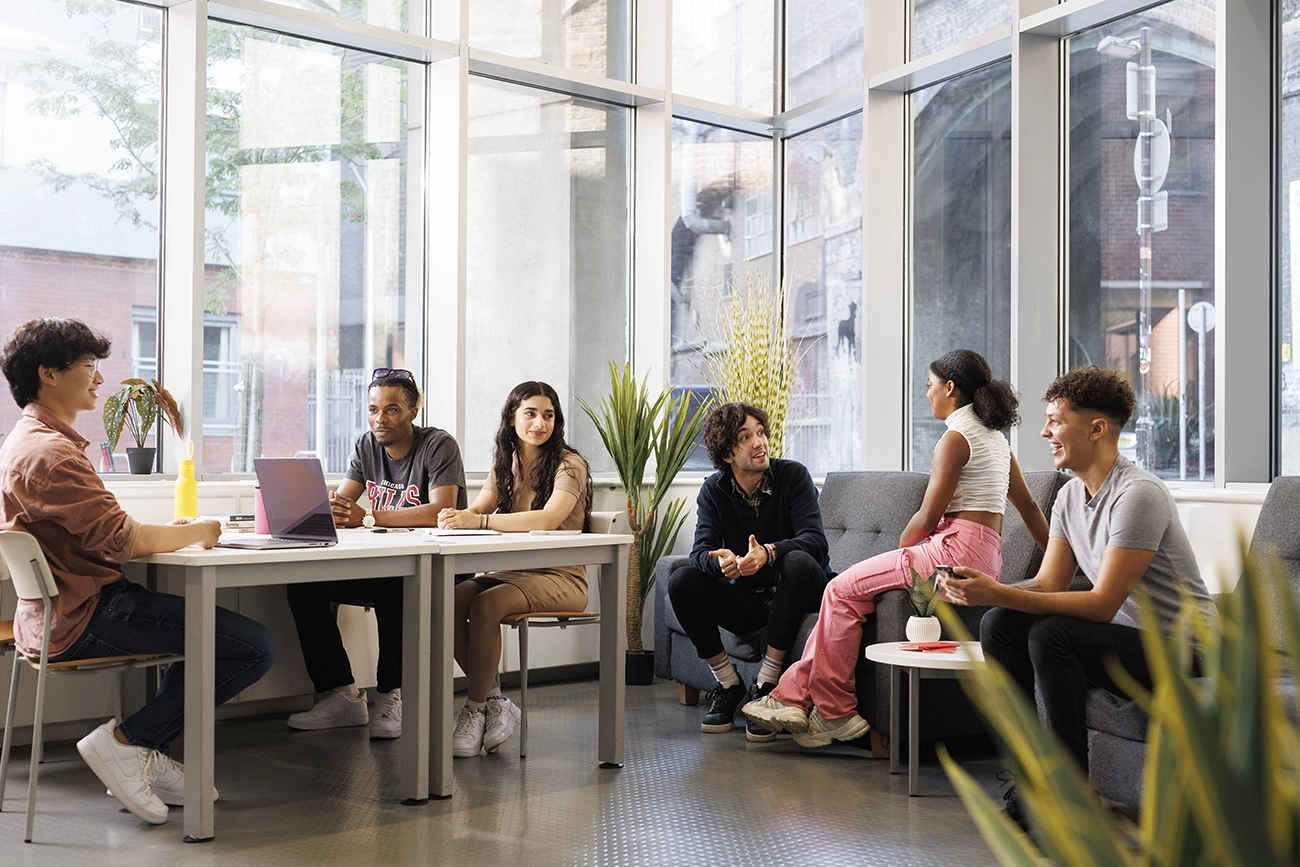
<point>294,496</point>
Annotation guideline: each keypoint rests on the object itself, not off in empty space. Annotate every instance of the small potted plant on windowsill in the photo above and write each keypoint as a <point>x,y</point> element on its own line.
<point>924,593</point>
<point>137,406</point>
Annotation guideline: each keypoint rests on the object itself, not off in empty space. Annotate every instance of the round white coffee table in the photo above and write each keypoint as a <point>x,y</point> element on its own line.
<point>917,665</point>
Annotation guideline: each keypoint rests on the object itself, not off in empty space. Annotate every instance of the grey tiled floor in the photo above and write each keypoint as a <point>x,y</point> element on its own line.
<point>329,798</point>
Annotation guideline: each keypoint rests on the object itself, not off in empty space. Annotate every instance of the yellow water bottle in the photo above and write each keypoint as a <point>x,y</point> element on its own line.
<point>187,489</point>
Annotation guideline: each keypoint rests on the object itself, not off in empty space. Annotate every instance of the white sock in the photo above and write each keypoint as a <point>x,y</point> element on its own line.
<point>496,690</point>
<point>725,672</point>
<point>475,705</point>
<point>770,672</point>
<point>350,690</point>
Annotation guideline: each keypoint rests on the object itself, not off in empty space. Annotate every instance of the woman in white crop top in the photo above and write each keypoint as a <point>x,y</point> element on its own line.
<point>959,523</point>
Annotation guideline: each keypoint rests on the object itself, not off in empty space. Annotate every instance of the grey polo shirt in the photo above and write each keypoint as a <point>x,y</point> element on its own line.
<point>1132,509</point>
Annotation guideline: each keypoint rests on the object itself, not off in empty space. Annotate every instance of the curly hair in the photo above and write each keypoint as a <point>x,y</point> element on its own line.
<point>723,427</point>
<point>553,452</point>
<point>995,401</point>
<point>1092,388</point>
<point>54,343</point>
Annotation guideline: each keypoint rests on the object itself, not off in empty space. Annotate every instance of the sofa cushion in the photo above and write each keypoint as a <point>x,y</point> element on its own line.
<point>1275,536</point>
<point>1115,715</point>
<point>864,513</point>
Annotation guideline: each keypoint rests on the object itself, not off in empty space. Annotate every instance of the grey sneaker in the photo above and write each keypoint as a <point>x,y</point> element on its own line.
<point>169,781</point>
<point>336,710</point>
<point>386,721</point>
<point>127,771</point>
<point>822,731</point>
<point>776,716</point>
<point>467,739</point>
<point>502,720</point>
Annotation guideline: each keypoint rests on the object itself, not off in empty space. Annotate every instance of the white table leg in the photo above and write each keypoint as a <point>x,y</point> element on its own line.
<point>914,731</point>
<point>613,645</point>
<point>200,709</point>
<point>440,703</point>
<point>895,699</point>
<point>417,601</point>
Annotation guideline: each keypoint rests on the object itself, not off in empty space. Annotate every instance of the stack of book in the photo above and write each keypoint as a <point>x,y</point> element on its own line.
<point>237,524</point>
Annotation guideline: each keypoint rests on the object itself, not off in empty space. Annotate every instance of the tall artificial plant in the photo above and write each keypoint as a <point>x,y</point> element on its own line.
<point>1219,784</point>
<point>754,360</point>
<point>636,428</point>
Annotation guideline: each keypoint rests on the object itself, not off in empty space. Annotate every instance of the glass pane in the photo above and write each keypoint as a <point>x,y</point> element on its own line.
<point>823,264</point>
<point>306,245</point>
<point>79,132</point>
<point>722,52</point>
<point>938,24</point>
<point>1289,244</point>
<point>582,36</point>
<point>722,231</point>
<point>1142,301</point>
<point>961,233</point>
<point>547,239</point>
<point>393,14</point>
<point>823,48</point>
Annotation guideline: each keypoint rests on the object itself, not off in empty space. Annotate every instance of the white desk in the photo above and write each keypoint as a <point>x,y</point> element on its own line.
<point>428,567</point>
<point>935,665</point>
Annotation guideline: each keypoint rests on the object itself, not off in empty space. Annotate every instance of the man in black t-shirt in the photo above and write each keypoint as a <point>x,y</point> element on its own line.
<point>401,476</point>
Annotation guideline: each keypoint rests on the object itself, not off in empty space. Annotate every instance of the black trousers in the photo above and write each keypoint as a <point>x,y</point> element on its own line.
<point>1066,656</point>
<point>318,629</point>
<point>705,602</point>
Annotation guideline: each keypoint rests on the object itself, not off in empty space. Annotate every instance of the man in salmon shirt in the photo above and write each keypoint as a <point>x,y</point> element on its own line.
<point>49,488</point>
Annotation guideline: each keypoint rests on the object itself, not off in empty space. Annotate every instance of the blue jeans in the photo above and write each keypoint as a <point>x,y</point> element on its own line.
<point>133,619</point>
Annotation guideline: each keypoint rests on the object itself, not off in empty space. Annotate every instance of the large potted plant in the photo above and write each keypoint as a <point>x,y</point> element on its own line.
<point>1219,777</point>
<point>136,407</point>
<point>752,356</point>
<point>635,428</point>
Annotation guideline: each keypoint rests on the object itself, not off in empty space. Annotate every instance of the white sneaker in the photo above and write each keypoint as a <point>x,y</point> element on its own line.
<point>776,716</point>
<point>386,721</point>
<point>126,770</point>
<point>169,780</point>
<point>467,740</point>
<point>336,710</point>
<point>822,731</point>
<point>502,720</point>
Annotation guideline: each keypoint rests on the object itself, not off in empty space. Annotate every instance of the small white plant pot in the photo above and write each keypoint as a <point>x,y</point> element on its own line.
<point>923,628</point>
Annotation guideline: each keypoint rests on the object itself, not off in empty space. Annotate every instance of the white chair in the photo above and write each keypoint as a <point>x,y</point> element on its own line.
<point>23,562</point>
<point>601,522</point>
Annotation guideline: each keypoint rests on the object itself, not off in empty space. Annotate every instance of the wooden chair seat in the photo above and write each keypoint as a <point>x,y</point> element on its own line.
<point>6,633</point>
<point>135,660</point>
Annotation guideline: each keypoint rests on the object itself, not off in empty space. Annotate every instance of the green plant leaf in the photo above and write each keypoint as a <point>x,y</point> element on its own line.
<point>114,417</point>
<point>1011,846</point>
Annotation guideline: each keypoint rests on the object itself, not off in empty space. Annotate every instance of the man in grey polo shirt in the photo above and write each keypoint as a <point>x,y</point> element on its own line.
<point>1115,522</point>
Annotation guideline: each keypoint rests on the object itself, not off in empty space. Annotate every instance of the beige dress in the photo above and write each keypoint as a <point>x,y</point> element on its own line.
<point>562,589</point>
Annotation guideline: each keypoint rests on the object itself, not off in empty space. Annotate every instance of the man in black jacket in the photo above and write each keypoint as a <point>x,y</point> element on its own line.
<point>760,558</point>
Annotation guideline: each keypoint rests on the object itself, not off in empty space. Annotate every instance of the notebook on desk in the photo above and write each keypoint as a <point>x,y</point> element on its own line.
<point>297,506</point>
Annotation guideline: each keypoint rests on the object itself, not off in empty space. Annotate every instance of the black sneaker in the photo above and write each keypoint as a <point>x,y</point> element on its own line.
<point>724,702</point>
<point>1011,801</point>
<point>757,732</point>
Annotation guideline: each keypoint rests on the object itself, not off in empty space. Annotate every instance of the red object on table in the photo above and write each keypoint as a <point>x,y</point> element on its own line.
<point>931,646</point>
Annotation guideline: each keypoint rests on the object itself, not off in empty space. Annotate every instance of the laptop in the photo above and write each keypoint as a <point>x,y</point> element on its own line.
<point>297,506</point>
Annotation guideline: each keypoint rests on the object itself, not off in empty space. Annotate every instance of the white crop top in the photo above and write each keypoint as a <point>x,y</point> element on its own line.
<point>982,484</point>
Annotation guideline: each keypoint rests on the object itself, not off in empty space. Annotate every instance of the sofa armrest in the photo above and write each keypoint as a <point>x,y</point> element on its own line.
<point>663,569</point>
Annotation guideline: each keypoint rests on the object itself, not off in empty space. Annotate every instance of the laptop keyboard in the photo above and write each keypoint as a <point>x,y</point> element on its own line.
<point>314,525</point>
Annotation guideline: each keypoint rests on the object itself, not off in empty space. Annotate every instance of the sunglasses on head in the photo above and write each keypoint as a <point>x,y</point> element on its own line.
<point>394,372</point>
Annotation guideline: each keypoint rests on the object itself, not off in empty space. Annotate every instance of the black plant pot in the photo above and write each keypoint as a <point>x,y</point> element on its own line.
<point>640,668</point>
<point>140,461</point>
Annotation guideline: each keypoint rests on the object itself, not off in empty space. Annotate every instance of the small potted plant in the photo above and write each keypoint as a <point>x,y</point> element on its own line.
<point>137,406</point>
<point>924,592</point>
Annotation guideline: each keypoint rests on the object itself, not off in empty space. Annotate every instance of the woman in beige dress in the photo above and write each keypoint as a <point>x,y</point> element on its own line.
<point>537,482</point>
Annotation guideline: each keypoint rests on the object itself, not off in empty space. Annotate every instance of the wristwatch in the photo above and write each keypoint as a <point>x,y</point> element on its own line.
<point>369,520</point>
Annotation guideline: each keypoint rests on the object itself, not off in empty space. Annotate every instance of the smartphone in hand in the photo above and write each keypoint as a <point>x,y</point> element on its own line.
<point>945,569</point>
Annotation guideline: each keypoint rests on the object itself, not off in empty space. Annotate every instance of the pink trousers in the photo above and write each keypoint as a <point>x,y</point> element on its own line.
<point>824,675</point>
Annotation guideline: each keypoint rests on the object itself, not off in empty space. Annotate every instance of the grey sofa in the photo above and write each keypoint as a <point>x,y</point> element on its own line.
<point>1117,728</point>
<point>864,513</point>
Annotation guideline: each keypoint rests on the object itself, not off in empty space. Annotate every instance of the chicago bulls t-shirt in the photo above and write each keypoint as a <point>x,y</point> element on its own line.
<point>433,461</point>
